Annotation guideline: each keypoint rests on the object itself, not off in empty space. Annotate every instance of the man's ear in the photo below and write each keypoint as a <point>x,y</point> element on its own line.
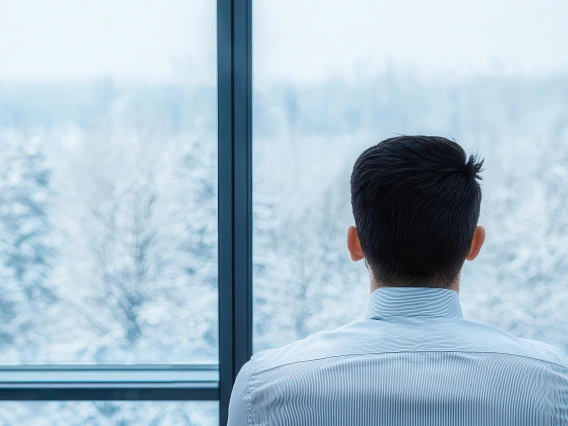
<point>354,245</point>
<point>476,243</point>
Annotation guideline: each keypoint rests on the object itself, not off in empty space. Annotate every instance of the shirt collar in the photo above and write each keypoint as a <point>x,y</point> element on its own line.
<point>414,302</point>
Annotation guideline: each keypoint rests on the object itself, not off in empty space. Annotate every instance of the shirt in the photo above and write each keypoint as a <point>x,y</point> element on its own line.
<point>414,360</point>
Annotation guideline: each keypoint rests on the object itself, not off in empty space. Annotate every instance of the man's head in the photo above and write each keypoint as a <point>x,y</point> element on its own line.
<point>416,202</point>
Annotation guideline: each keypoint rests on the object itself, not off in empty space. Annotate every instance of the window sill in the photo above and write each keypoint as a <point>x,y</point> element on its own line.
<point>104,382</point>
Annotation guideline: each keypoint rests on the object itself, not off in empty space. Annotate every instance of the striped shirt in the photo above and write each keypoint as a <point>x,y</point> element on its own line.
<point>413,361</point>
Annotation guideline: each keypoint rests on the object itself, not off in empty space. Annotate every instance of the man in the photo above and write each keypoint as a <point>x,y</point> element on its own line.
<point>414,360</point>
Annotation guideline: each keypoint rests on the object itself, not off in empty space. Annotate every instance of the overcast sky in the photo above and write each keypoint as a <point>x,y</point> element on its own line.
<point>77,39</point>
<point>161,40</point>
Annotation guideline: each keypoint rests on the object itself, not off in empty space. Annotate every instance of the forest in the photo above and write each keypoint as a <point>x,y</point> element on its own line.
<point>108,218</point>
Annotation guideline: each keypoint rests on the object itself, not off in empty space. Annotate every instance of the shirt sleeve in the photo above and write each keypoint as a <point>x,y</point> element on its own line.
<point>238,406</point>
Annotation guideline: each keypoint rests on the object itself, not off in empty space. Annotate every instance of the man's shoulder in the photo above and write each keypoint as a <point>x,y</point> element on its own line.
<point>323,344</point>
<point>545,352</point>
<point>373,337</point>
<point>489,338</point>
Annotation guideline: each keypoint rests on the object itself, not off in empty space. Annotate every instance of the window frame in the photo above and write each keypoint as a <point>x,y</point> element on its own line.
<point>187,382</point>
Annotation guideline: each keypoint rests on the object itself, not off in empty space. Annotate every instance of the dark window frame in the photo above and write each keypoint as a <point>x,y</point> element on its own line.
<point>183,382</point>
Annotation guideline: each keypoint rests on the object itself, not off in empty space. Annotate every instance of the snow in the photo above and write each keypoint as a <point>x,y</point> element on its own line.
<point>108,242</point>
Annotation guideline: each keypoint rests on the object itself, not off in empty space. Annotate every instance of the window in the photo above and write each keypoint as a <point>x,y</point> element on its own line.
<point>108,208</point>
<point>127,217</point>
<point>109,413</point>
<point>108,211</point>
<point>332,78</point>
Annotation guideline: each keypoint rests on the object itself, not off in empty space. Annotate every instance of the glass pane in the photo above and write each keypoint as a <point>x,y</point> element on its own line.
<point>492,75</point>
<point>108,232</point>
<point>109,413</point>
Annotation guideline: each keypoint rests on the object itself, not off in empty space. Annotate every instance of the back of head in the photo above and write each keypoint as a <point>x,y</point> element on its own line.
<point>416,203</point>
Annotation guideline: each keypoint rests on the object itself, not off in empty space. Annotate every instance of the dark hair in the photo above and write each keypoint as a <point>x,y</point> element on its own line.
<point>416,202</point>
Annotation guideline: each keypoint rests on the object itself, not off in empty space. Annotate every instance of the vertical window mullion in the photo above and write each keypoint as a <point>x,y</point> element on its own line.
<point>234,64</point>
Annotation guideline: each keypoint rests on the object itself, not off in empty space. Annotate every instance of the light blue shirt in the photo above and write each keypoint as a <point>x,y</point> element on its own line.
<point>413,361</point>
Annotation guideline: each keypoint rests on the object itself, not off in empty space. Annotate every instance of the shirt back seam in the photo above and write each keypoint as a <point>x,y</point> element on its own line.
<point>412,352</point>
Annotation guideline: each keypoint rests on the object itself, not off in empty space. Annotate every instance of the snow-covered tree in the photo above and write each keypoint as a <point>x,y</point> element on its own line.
<point>26,246</point>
